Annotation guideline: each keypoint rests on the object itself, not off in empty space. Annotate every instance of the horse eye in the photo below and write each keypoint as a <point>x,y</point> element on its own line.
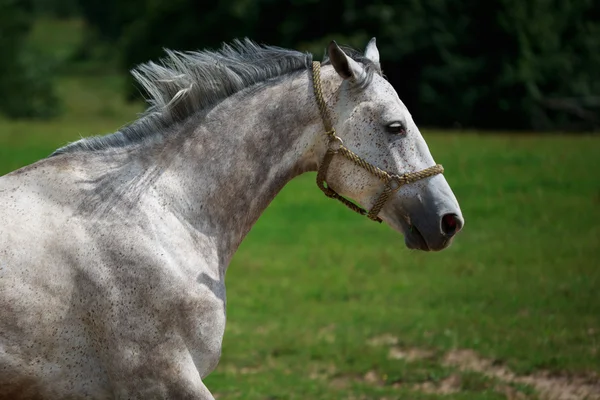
<point>396,128</point>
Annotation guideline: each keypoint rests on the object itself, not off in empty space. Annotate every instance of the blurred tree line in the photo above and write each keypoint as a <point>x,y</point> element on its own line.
<point>25,86</point>
<point>496,64</point>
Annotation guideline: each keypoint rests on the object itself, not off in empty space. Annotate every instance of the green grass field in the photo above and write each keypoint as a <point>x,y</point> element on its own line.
<point>325,304</point>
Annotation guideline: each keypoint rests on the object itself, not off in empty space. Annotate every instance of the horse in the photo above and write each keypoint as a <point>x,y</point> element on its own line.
<point>114,248</point>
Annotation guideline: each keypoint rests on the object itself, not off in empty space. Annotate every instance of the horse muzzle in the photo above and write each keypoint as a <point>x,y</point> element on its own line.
<point>432,237</point>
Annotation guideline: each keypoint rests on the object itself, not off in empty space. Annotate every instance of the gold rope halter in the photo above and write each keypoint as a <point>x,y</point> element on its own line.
<point>392,182</point>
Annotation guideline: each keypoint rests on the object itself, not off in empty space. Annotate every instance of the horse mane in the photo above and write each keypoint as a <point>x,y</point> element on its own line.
<point>184,83</point>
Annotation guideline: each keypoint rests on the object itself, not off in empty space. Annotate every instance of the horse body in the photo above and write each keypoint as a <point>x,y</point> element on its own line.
<point>113,257</point>
<point>140,276</point>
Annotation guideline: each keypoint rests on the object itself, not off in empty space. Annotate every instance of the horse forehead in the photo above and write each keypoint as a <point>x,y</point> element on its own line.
<point>379,95</point>
<point>384,90</point>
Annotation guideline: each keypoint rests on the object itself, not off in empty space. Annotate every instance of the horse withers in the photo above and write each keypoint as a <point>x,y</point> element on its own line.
<point>113,250</point>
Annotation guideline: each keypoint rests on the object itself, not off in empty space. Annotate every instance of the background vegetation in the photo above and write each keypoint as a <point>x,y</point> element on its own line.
<point>498,64</point>
<point>25,84</point>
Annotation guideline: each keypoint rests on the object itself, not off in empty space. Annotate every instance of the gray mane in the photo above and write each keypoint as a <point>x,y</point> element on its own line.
<point>184,83</point>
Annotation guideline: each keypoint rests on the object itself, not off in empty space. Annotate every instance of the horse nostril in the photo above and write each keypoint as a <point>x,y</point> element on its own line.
<point>451,224</point>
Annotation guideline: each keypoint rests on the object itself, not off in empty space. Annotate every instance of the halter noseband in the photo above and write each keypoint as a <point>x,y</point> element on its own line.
<point>392,182</point>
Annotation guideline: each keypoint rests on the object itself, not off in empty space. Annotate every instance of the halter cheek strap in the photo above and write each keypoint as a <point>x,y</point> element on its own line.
<point>392,182</point>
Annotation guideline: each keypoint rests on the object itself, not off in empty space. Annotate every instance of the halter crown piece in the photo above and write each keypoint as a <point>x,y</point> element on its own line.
<point>392,182</point>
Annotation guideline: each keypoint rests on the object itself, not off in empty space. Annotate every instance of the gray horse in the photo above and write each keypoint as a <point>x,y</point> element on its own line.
<point>113,251</point>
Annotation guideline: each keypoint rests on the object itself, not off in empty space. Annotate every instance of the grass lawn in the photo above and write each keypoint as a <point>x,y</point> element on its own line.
<point>325,304</point>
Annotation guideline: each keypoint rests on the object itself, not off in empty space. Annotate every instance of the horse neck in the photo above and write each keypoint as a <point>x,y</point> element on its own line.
<point>242,154</point>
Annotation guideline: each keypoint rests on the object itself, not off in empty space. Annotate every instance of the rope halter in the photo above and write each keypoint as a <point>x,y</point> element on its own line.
<point>392,182</point>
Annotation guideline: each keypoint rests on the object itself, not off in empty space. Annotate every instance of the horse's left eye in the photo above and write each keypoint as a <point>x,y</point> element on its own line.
<point>396,128</point>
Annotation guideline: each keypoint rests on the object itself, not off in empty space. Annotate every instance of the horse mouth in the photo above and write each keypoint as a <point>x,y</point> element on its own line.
<point>414,240</point>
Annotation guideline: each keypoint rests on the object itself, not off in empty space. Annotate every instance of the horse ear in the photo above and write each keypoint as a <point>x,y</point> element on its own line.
<point>346,67</point>
<point>371,51</point>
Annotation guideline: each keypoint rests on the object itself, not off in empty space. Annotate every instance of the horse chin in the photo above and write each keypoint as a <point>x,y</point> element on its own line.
<point>413,238</point>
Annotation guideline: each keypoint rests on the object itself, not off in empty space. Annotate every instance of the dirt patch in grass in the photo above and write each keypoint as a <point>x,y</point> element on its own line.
<point>397,352</point>
<point>550,386</point>
<point>343,381</point>
<point>383,340</point>
<point>409,354</point>
<point>449,385</point>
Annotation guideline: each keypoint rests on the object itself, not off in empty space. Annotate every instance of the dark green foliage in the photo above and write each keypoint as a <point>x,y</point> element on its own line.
<point>496,64</point>
<point>25,83</point>
<point>29,89</point>
<point>56,8</point>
